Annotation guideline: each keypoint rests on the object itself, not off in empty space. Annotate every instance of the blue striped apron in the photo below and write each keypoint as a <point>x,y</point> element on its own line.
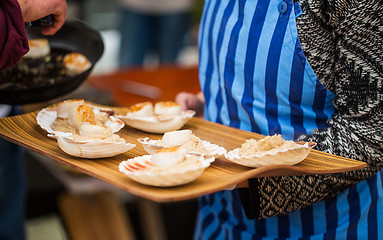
<point>255,77</point>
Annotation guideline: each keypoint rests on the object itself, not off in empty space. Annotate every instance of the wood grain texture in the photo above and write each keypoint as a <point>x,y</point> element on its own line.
<point>24,131</point>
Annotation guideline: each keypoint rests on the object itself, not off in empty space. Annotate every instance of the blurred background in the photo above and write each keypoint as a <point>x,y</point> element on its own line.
<point>65,204</point>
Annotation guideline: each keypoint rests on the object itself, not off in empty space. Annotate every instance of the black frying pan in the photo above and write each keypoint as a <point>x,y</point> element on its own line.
<point>74,36</point>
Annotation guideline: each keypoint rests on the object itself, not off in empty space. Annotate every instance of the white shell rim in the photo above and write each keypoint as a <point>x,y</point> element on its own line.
<point>164,179</point>
<point>289,156</point>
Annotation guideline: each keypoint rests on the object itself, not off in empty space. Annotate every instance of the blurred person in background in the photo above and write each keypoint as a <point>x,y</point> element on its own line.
<point>310,70</point>
<point>157,27</point>
<point>13,45</point>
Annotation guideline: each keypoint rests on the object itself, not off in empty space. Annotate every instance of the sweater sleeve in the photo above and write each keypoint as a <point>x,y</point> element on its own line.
<point>353,70</point>
<point>13,38</point>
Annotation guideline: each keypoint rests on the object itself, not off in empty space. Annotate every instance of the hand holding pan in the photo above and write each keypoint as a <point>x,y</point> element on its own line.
<point>74,36</point>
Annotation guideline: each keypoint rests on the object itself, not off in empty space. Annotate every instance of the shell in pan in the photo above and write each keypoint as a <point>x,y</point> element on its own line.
<point>48,118</point>
<point>271,150</point>
<point>160,118</point>
<point>141,169</point>
<point>93,141</point>
<point>184,139</point>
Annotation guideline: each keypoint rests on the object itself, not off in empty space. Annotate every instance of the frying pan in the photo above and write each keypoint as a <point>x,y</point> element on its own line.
<point>74,36</point>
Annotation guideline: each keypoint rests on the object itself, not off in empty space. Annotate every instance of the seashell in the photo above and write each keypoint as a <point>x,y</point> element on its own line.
<point>76,63</point>
<point>289,156</point>
<point>47,116</point>
<point>93,147</point>
<point>151,146</point>
<point>38,48</point>
<point>157,124</point>
<point>63,108</point>
<point>182,173</point>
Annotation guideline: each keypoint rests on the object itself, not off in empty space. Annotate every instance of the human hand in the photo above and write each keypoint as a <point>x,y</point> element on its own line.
<point>36,9</point>
<point>190,101</point>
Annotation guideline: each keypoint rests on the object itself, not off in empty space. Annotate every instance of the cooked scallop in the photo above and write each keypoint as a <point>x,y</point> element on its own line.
<point>64,107</point>
<point>38,48</point>
<point>139,110</point>
<point>92,130</point>
<point>168,108</point>
<point>80,114</point>
<point>158,118</point>
<point>167,157</point>
<point>176,138</point>
<point>182,139</point>
<point>47,119</point>
<point>76,63</point>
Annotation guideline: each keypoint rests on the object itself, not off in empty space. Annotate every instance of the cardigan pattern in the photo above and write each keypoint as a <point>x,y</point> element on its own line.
<point>345,43</point>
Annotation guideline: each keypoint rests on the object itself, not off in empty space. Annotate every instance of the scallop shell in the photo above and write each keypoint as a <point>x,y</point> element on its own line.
<point>289,156</point>
<point>157,124</point>
<point>48,115</point>
<point>141,170</point>
<point>151,146</point>
<point>93,148</point>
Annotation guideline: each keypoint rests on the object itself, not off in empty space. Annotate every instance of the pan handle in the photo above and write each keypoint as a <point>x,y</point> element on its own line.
<point>45,21</point>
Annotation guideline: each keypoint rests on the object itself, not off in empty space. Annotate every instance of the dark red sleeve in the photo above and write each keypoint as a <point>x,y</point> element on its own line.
<point>13,38</point>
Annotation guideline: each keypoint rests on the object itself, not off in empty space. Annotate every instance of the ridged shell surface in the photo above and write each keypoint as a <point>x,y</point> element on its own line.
<point>164,177</point>
<point>92,148</point>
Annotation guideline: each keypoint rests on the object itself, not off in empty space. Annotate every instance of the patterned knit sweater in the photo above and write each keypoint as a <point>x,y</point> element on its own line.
<point>343,42</point>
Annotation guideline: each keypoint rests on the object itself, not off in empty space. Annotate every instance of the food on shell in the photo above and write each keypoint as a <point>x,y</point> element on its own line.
<point>176,138</point>
<point>186,140</point>
<point>76,63</point>
<point>93,141</point>
<point>168,156</point>
<point>80,114</point>
<point>48,118</point>
<point>64,107</point>
<point>271,150</point>
<point>168,108</point>
<point>160,118</point>
<point>92,130</point>
<point>38,48</point>
<point>144,109</point>
<point>143,170</point>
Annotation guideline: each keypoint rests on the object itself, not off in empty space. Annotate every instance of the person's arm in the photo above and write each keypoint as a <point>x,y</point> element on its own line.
<point>36,9</point>
<point>13,38</point>
<point>13,14</point>
<point>354,74</point>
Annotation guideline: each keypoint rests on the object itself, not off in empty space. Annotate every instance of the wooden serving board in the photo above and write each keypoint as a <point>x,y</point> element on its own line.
<point>24,131</point>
